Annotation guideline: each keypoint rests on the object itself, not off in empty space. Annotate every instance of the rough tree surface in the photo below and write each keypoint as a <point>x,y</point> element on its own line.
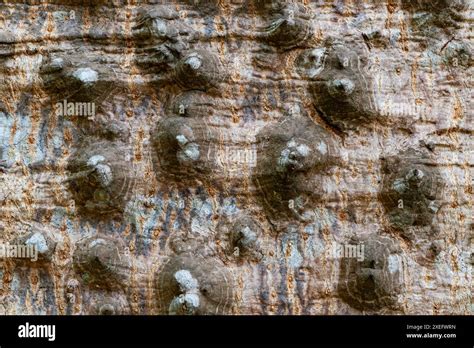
<point>237,157</point>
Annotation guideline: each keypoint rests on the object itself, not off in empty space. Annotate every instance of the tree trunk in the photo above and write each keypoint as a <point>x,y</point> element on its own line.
<point>236,157</point>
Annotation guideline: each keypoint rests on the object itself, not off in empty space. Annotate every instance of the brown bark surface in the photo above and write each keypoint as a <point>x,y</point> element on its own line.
<point>223,157</point>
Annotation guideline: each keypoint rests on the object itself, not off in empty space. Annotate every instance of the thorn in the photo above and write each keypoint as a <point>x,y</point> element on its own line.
<point>367,41</point>
<point>446,44</point>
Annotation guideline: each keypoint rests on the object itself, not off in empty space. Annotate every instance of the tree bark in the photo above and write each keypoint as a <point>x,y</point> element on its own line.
<point>236,157</point>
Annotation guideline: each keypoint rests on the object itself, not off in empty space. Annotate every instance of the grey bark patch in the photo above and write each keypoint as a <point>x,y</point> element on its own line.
<point>215,286</point>
<point>377,281</point>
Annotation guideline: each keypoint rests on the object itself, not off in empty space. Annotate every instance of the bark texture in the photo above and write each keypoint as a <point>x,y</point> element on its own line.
<point>215,157</point>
